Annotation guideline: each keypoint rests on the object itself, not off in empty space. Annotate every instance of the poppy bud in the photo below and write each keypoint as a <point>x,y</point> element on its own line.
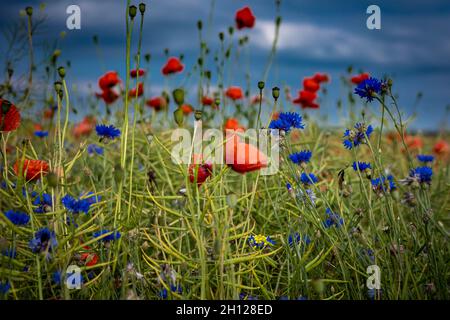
<point>261,85</point>
<point>178,96</point>
<point>198,115</point>
<point>217,102</point>
<point>230,30</point>
<point>142,7</point>
<point>221,36</point>
<point>29,11</point>
<point>95,39</point>
<point>58,86</point>
<point>132,11</point>
<point>5,106</point>
<point>10,72</point>
<point>199,24</point>
<point>62,72</point>
<point>200,61</point>
<point>52,179</point>
<point>166,51</point>
<point>278,21</point>
<point>178,115</point>
<point>208,74</point>
<point>275,93</point>
<point>147,57</point>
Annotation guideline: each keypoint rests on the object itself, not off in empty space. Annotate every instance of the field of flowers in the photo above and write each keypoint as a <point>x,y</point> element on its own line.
<point>104,195</point>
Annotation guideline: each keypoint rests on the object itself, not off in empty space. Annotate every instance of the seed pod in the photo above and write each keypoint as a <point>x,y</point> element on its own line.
<point>198,115</point>
<point>142,7</point>
<point>199,25</point>
<point>62,72</point>
<point>275,93</point>
<point>29,11</point>
<point>221,36</point>
<point>261,85</point>
<point>132,11</point>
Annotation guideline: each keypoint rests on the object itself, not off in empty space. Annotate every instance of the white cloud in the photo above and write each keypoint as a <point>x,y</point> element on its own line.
<point>326,43</point>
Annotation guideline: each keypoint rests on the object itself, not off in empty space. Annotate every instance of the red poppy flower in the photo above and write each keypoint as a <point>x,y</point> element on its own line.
<point>49,113</point>
<point>90,259</point>
<point>85,127</point>
<point>37,127</point>
<point>199,171</point>
<point>414,143</point>
<point>256,99</point>
<point>233,124</point>
<point>139,91</point>
<point>321,77</point>
<point>234,93</point>
<point>134,73</point>
<point>9,116</point>
<point>207,101</point>
<point>108,80</point>
<point>309,84</point>
<point>32,169</point>
<point>187,109</point>
<point>243,157</point>
<point>441,147</point>
<point>245,18</point>
<point>359,78</point>
<point>108,96</point>
<point>157,103</point>
<point>305,97</point>
<point>173,65</point>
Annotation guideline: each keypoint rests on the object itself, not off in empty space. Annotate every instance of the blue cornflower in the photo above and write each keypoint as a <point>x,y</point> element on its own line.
<point>41,134</point>
<point>286,121</point>
<point>425,158</point>
<point>308,178</point>
<point>109,132</point>
<point>301,157</point>
<point>44,203</point>
<point>423,174</point>
<point>245,296</point>
<point>57,277</point>
<point>361,166</point>
<point>357,136</point>
<point>177,289</point>
<point>4,287</point>
<point>297,239</point>
<point>44,240</point>
<point>288,186</point>
<point>94,149</point>
<point>383,184</point>
<point>17,217</point>
<point>10,253</point>
<point>333,219</point>
<point>110,237</point>
<point>369,88</point>
<point>81,205</point>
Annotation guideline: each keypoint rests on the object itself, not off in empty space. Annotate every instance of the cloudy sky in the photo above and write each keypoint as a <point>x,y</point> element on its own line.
<point>413,45</point>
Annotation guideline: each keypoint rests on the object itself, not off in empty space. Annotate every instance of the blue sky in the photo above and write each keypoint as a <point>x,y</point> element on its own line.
<point>413,45</point>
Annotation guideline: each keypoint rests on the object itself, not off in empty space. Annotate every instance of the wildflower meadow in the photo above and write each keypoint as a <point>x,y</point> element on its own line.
<point>217,182</point>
